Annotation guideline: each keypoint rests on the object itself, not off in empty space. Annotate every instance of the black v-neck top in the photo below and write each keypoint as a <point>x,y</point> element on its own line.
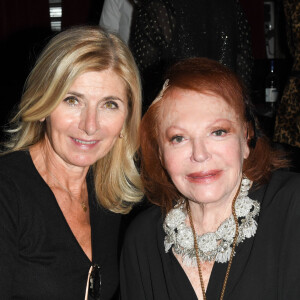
<point>40,257</point>
<point>266,267</point>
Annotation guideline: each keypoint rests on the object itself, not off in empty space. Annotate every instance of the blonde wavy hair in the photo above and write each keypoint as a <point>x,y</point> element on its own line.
<point>68,55</point>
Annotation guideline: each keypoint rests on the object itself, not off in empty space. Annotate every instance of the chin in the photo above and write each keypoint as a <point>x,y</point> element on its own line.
<point>209,198</point>
<point>82,161</point>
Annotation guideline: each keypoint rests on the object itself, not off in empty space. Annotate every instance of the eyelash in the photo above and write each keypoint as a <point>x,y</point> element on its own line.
<point>115,104</point>
<point>71,98</point>
<point>222,131</point>
<point>177,139</point>
<point>173,139</point>
<point>112,103</point>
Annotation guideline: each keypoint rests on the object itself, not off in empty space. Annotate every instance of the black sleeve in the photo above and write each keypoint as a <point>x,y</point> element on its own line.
<point>289,260</point>
<point>152,32</point>
<point>8,234</point>
<point>131,274</point>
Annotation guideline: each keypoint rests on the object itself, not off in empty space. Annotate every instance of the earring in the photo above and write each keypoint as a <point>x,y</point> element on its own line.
<point>121,135</point>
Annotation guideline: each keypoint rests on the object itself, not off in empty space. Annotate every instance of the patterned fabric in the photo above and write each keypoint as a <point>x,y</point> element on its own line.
<point>287,125</point>
<point>165,31</point>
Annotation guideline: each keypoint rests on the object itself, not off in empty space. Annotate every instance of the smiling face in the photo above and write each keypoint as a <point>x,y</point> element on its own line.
<point>86,124</point>
<point>202,145</point>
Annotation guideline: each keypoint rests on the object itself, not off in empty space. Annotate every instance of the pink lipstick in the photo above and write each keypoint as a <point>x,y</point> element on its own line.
<point>85,143</point>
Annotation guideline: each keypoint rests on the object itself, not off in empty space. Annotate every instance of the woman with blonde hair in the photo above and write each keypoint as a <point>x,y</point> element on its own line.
<point>68,171</point>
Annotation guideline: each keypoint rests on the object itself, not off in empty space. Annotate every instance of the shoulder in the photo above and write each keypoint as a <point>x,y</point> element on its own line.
<point>282,191</point>
<point>14,183</point>
<point>14,162</point>
<point>285,181</point>
<point>18,167</point>
<point>18,174</point>
<point>144,227</point>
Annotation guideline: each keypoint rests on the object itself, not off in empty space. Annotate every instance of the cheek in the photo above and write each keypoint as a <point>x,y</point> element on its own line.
<point>60,119</point>
<point>58,126</point>
<point>172,161</point>
<point>231,152</point>
<point>112,124</point>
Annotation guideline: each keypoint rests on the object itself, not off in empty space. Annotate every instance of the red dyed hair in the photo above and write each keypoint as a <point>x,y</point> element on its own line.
<point>204,76</point>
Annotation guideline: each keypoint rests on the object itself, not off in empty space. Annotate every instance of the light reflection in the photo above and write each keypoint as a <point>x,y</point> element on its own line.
<point>55,11</point>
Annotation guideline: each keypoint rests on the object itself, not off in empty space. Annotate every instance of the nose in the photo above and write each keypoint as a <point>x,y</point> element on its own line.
<point>200,152</point>
<point>89,122</point>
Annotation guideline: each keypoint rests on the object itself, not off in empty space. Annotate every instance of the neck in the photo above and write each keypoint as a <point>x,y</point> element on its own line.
<point>207,217</point>
<point>54,170</point>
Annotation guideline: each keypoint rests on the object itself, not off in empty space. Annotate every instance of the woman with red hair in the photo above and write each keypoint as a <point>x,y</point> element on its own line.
<point>226,218</point>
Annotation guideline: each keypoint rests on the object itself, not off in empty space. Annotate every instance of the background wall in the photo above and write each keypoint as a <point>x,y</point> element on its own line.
<point>25,29</point>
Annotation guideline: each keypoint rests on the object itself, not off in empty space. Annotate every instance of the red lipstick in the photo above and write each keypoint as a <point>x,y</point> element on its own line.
<point>204,177</point>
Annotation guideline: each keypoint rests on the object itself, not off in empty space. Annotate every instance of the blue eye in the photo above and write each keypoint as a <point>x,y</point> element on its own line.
<point>111,105</point>
<point>177,139</point>
<point>72,101</point>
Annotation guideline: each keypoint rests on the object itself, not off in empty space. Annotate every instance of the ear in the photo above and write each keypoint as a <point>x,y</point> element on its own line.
<point>42,120</point>
<point>246,149</point>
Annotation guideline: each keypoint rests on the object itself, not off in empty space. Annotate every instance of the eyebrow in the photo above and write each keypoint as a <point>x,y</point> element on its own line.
<point>105,98</point>
<point>215,123</point>
<point>224,120</point>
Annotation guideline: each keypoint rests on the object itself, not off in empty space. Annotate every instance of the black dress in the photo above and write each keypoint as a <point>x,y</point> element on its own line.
<point>40,257</point>
<point>165,31</point>
<point>266,267</point>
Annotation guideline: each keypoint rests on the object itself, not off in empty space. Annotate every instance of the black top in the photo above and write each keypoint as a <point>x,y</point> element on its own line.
<point>265,267</point>
<point>40,257</point>
<point>165,31</point>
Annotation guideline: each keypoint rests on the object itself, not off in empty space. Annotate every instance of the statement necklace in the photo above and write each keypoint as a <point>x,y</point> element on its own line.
<point>212,246</point>
<point>197,248</point>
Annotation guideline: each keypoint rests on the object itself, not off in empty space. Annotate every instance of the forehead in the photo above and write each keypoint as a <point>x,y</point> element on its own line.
<point>99,79</point>
<point>194,106</point>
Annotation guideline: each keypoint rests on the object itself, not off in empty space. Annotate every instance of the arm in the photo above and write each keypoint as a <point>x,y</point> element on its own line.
<point>152,32</point>
<point>244,59</point>
<point>131,273</point>
<point>289,274</point>
<point>8,235</point>
<point>151,39</point>
<point>110,16</point>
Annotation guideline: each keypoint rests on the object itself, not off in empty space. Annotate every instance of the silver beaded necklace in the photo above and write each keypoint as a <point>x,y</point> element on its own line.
<point>213,246</point>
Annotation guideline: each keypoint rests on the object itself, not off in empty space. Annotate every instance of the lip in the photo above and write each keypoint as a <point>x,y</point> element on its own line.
<point>204,177</point>
<point>84,143</point>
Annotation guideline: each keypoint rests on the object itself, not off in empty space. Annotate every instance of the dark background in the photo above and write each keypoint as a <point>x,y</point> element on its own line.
<point>25,29</point>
